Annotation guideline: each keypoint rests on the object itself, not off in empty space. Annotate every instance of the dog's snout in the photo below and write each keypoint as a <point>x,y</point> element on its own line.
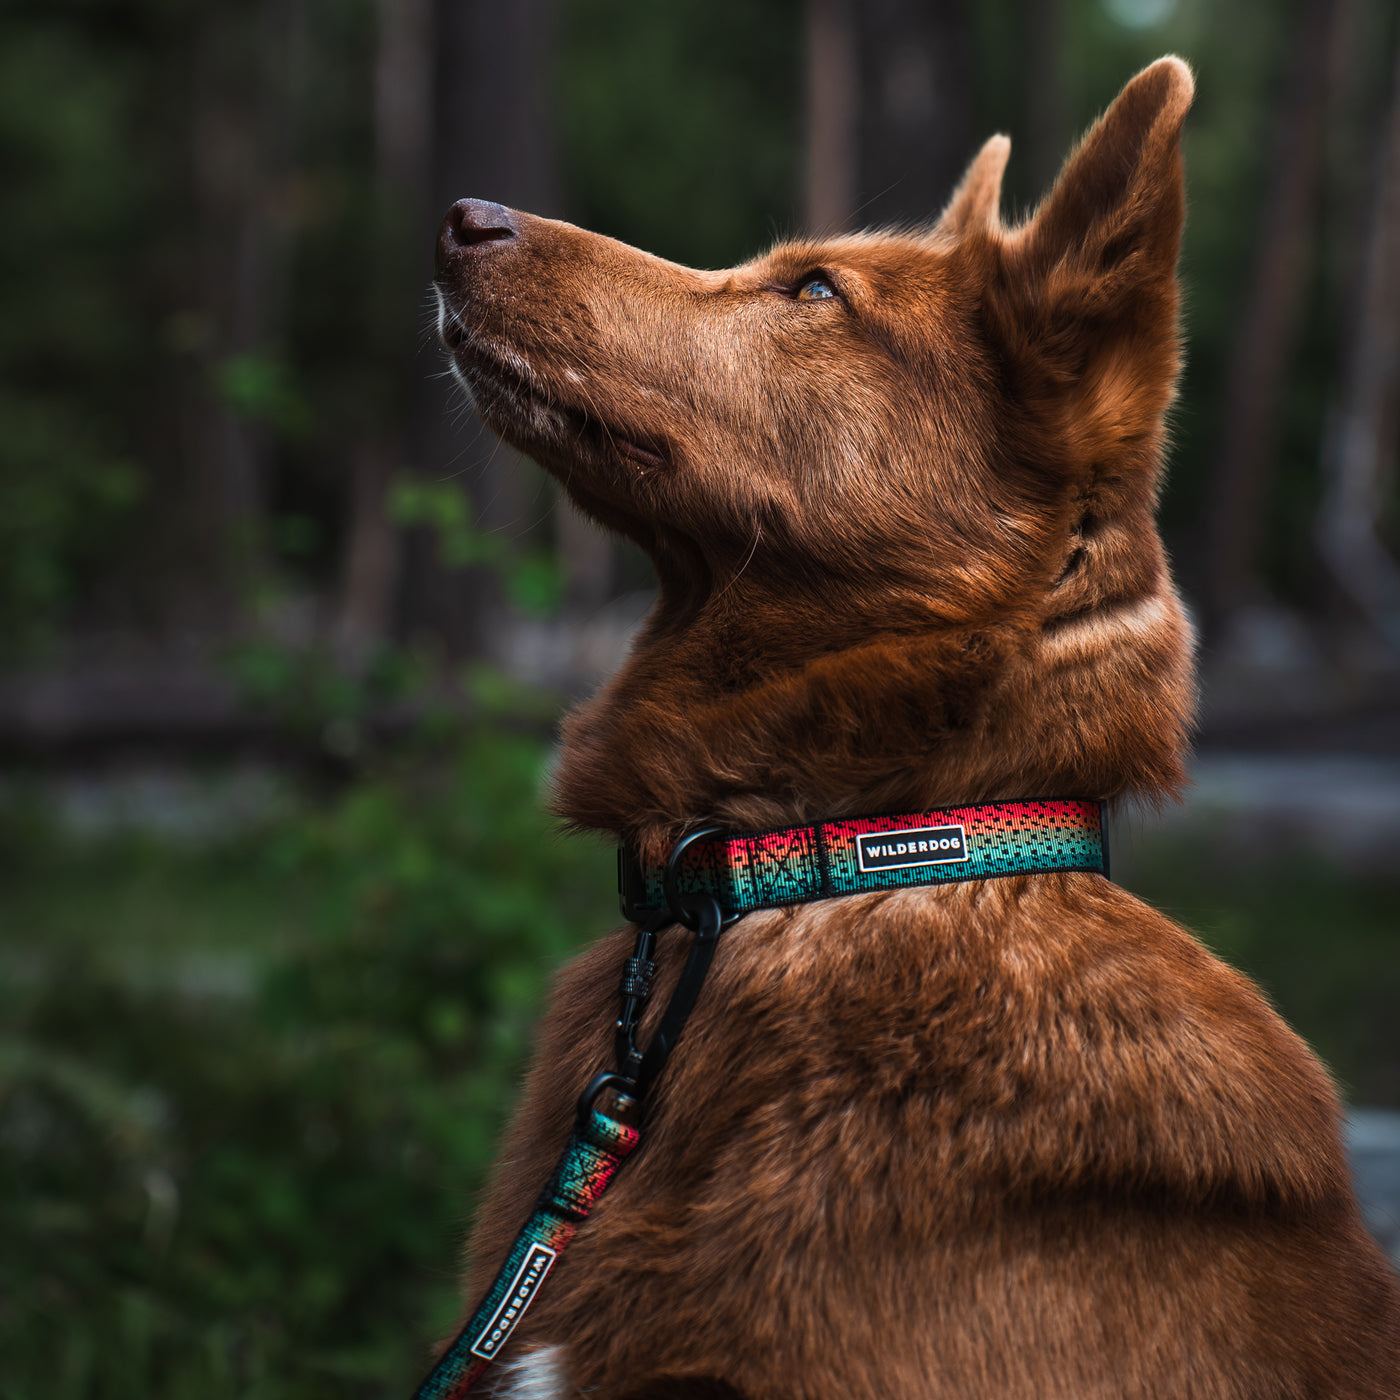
<point>470,223</point>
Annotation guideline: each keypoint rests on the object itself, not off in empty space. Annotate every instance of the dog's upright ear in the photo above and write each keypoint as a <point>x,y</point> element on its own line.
<point>1084,300</point>
<point>976,203</point>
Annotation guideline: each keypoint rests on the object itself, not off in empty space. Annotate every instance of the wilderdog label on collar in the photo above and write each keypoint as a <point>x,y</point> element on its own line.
<point>922,845</point>
<point>519,1295</point>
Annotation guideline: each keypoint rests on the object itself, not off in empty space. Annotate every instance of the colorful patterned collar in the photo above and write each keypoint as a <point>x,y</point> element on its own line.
<point>769,869</point>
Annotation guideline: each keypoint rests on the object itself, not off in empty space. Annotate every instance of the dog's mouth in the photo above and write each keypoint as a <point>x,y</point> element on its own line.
<point>510,398</point>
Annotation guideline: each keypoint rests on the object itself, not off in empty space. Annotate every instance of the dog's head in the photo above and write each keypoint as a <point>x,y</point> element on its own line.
<point>909,471</point>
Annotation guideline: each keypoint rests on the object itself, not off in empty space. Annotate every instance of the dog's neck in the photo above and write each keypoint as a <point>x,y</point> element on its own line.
<point>757,712</point>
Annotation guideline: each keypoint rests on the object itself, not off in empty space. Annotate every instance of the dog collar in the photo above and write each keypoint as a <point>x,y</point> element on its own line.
<point>798,864</point>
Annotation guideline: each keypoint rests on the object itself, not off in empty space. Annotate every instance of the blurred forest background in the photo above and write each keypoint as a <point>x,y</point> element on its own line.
<point>283,632</point>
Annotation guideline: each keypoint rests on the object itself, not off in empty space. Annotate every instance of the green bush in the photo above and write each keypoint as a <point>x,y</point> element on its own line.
<point>1319,940</point>
<point>247,1095</point>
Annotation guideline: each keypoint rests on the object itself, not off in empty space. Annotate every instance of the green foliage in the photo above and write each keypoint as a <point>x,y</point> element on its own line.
<point>309,694</point>
<point>679,123</point>
<point>531,576</point>
<point>1320,942</point>
<point>67,474</point>
<point>62,491</point>
<point>262,389</point>
<point>246,1096</point>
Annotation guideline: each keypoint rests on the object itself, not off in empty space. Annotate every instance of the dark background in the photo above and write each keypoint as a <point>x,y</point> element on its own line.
<point>283,633</point>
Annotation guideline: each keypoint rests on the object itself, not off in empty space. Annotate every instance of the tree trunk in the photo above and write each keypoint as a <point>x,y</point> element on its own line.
<point>490,140</point>
<point>402,154</point>
<point>833,97</point>
<point>1269,325</point>
<point>915,100</point>
<point>1046,111</point>
<point>1364,436</point>
<point>245,136</point>
<point>371,556</point>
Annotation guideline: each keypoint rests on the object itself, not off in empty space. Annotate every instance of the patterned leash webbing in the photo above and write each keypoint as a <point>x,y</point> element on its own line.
<point>770,869</point>
<point>598,1146</point>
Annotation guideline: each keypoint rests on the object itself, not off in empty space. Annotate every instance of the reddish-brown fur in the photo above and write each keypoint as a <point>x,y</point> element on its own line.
<point>1012,1138</point>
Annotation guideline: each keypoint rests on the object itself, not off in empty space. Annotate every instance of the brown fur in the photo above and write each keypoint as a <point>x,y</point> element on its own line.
<point>1012,1138</point>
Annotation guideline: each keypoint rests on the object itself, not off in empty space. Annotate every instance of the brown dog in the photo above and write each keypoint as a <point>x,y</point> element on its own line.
<point>1016,1137</point>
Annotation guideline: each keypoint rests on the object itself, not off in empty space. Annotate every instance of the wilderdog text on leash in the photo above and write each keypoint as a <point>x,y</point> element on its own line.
<point>953,1115</point>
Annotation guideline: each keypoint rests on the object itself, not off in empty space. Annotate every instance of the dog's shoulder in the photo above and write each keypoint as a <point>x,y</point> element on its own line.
<point>1025,1035</point>
<point>908,1097</point>
<point>971,1049</point>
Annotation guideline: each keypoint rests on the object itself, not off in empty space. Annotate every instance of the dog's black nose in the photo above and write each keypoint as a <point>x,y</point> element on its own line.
<point>471,222</point>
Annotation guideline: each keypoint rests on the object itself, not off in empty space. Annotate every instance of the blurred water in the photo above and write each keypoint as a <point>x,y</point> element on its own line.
<point>1373,1141</point>
<point>179,804</point>
<point>1263,807</point>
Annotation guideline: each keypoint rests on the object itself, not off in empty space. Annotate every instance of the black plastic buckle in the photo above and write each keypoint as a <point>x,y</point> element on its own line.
<point>632,886</point>
<point>632,889</point>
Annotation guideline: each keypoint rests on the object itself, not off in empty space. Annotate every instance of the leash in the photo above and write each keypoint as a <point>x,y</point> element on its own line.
<point>710,880</point>
<point>600,1141</point>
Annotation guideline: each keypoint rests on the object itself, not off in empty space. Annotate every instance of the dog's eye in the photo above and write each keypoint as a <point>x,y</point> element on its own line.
<point>815,290</point>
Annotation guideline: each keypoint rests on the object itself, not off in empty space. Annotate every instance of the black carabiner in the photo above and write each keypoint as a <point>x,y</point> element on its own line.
<point>634,990</point>
<point>637,1068</point>
<point>710,922</point>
